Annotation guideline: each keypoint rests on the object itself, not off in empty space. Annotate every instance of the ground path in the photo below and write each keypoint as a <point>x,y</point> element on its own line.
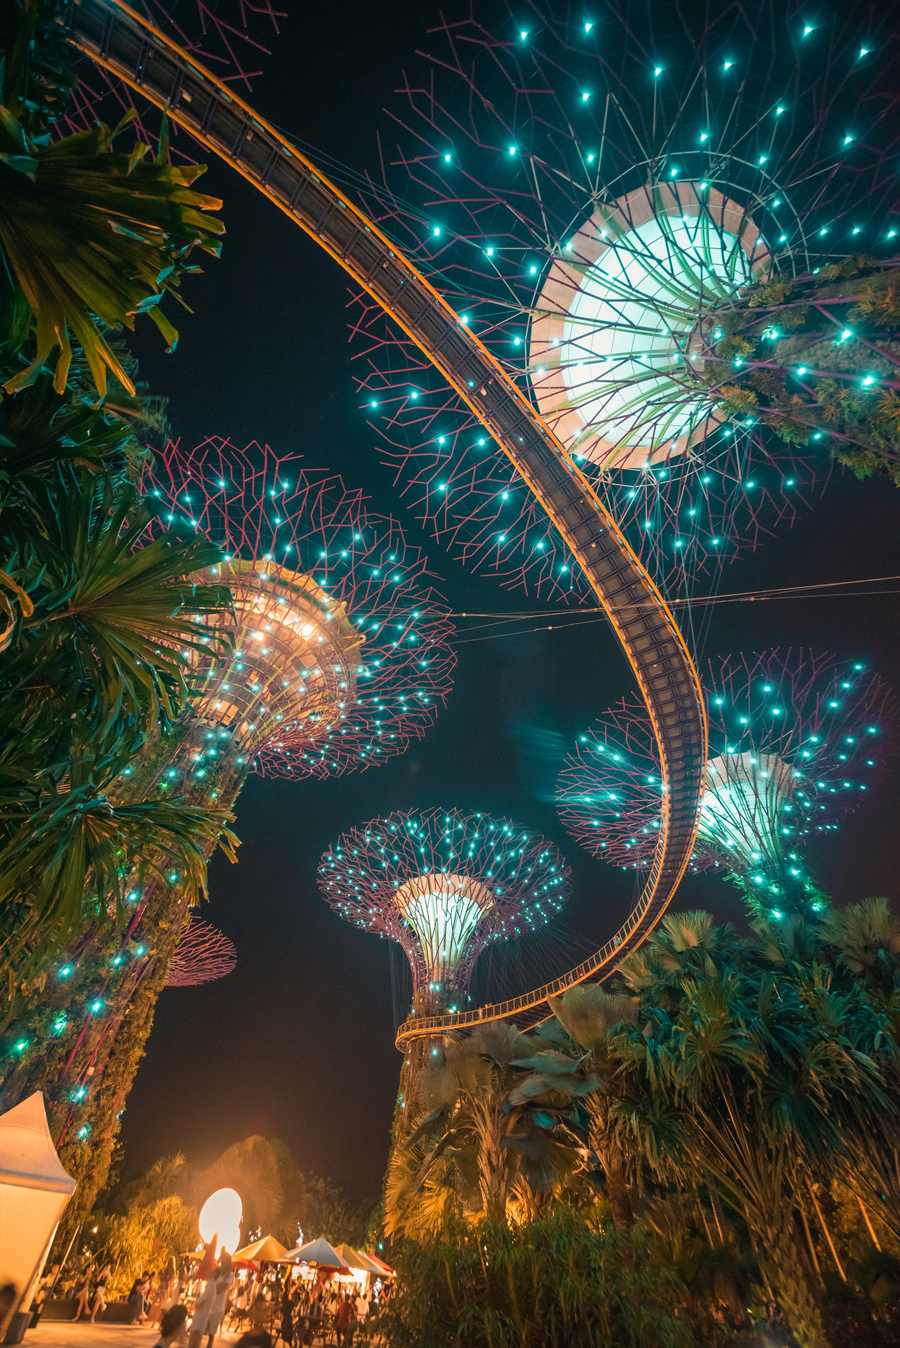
<point>65,1334</point>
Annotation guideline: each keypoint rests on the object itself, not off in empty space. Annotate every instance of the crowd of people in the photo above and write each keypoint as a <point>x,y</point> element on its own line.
<point>267,1308</point>
<point>298,1313</point>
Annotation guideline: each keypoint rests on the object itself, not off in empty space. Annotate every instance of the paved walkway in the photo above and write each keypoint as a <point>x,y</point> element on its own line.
<point>65,1334</point>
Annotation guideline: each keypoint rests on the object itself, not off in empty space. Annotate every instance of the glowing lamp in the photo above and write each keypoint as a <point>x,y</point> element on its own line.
<point>220,1220</point>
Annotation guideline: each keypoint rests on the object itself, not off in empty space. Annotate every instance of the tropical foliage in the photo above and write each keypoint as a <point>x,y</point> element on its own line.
<point>732,1105</point>
<point>145,1237</point>
<point>563,1281</point>
<point>98,605</point>
<point>815,358</point>
<point>97,608</point>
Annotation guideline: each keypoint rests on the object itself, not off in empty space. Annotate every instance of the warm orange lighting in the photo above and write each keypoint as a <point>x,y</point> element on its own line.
<point>220,1220</point>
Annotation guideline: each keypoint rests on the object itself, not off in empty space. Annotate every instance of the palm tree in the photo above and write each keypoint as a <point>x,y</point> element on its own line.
<point>501,1147</point>
<point>740,1079</point>
<point>93,664</point>
<point>89,237</point>
<point>577,1061</point>
<point>265,1174</point>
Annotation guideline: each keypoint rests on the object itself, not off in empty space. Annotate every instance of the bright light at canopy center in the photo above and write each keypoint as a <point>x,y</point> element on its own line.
<point>743,808</point>
<point>622,309</point>
<point>292,671</point>
<point>444,911</point>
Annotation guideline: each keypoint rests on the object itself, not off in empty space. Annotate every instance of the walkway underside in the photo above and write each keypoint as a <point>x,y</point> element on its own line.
<point>138,54</point>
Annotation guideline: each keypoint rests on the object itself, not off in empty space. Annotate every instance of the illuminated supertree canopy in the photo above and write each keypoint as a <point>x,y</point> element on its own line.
<point>648,227</point>
<point>202,955</point>
<point>341,653</point>
<point>338,657</point>
<point>795,738</point>
<point>443,884</point>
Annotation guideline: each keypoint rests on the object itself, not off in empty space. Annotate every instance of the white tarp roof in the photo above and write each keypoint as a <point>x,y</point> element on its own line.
<point>27,1155</point>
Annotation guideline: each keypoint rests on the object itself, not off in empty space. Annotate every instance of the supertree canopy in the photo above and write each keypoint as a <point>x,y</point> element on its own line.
<point>202,955</point>
<point>654,222</point>
<point>339,658</point>
<point>795,738</point>
<point>443,884</point>
<point>341,652</point>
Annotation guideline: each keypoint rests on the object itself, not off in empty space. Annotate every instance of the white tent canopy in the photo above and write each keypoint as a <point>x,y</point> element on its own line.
<point>34,1190</point>
<point>317,1252</point>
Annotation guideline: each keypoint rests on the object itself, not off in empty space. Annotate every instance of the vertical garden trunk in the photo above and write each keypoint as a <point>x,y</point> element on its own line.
<point>781,1261</point>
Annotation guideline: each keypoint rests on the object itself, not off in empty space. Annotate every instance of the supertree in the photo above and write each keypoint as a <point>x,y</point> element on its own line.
<point>442,884</point>
<point>646,216</point>
<point>794,740</point>
<point>339,658</point>
<point>202,955</point>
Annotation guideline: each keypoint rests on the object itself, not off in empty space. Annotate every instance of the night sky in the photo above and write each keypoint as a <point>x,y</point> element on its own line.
<point>297,1043</point>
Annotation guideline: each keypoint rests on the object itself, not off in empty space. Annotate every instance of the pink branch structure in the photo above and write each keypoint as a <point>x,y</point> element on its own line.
<point>342,650</point>
<point>231,39</point>
<point>443,884</point>
<point>795,740</point>
<point>588,194</point>
<point>340,657</point>
<point>202,955</point>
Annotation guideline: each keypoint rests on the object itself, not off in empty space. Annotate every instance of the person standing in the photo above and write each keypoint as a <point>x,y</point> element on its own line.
<point>169,1288</point>
<point>224,1281</point>
<point>203,1311</point>
<point>345,1320</point>
<point>287,1317</point>
<point>362,1306</point>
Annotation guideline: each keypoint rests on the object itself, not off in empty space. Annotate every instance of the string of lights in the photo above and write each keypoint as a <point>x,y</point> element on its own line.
<point>596,203</point>
<point>339,658</point>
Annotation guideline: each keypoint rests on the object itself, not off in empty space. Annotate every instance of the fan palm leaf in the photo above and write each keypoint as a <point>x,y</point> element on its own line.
<point>117,613</point>
<point>92,238</point>
<point>73,861</point>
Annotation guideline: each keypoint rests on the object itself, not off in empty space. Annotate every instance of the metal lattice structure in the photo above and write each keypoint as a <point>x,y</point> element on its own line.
<point>443,884</point>
<point>341,653</point>
<point>796,738</point>
<point>168,77</point>
<point>594,194</point>
<point>340,659</point>
<point>203,955</point>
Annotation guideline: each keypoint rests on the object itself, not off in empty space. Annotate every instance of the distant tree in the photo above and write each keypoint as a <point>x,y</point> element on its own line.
<point>336,1211</point>
<point>264,1173</point>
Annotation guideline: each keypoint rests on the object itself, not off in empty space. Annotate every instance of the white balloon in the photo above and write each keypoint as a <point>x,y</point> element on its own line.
<point>221,1216</point>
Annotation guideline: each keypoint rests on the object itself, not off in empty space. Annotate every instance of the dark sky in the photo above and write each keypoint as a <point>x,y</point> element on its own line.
<point>298,1042</point>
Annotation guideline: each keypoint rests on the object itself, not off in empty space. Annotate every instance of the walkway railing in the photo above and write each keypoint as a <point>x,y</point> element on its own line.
<point>150,63</point>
